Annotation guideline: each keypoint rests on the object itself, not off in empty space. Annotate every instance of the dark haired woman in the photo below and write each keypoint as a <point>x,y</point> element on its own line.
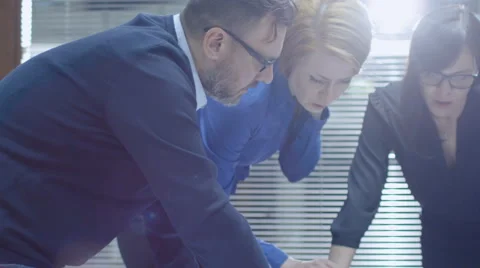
<point>430,120</point>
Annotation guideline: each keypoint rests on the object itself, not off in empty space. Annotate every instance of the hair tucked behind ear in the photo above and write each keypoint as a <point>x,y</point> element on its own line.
<point>342,27</point>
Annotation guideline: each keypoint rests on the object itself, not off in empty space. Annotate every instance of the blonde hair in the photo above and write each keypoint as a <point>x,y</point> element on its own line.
<point>342,27</point>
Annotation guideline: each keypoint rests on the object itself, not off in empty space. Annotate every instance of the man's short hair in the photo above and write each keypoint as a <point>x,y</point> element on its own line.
<point>235,15</point>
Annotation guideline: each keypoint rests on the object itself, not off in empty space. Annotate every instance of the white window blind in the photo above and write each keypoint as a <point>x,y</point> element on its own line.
<point>296,217</point>
<point>54,22</point>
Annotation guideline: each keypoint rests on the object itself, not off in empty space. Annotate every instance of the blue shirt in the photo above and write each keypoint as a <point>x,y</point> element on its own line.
<point>95,131</point>
<point>266,120</point>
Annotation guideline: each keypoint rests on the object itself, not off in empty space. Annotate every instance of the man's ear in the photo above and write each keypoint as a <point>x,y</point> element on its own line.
<point>215,43</point>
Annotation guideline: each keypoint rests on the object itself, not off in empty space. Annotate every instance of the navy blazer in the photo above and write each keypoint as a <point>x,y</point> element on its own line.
<point>95,131</point>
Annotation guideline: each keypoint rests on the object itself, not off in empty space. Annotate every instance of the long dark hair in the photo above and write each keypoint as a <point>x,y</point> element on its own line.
<point>436,43</point>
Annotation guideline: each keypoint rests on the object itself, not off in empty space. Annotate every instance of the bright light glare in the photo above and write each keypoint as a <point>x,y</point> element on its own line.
<point>26,23</point>
<point>393,16</point>
<point>26,29</point>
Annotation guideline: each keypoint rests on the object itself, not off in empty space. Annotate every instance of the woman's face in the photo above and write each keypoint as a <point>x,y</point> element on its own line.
<point>446,92</point>
<point>319,78</point>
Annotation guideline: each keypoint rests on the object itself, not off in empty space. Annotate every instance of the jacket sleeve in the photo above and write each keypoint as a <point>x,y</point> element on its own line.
<point>302,149</point>
<point>225,131</point>
<point>151,110</point>
<point>366,180</point>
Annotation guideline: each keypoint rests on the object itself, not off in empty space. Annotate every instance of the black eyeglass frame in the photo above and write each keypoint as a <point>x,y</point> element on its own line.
<point>449,79</point>
<point>257,56</point>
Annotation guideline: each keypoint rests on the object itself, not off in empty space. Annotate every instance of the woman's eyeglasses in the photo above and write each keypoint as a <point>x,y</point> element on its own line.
<point>456,81</point>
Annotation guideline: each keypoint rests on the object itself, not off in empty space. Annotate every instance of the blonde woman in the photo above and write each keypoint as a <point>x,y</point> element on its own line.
<point>323,51</point>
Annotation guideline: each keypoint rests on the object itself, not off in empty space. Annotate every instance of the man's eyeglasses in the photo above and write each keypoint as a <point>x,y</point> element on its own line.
<point>264,62</point>
<point>457,81</point>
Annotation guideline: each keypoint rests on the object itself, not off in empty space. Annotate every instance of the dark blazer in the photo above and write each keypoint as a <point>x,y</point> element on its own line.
<point>92,133</point>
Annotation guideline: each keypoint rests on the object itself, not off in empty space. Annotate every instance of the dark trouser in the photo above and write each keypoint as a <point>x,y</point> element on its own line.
<point>450,244</point>
<point>171,253</point>
<point>151,241</point>
<point>134,247</point>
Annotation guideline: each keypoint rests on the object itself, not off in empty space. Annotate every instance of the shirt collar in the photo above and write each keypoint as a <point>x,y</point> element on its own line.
<point>182,42</point>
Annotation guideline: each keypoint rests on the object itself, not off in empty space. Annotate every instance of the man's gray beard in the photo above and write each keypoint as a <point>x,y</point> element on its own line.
<point>216,83</point>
